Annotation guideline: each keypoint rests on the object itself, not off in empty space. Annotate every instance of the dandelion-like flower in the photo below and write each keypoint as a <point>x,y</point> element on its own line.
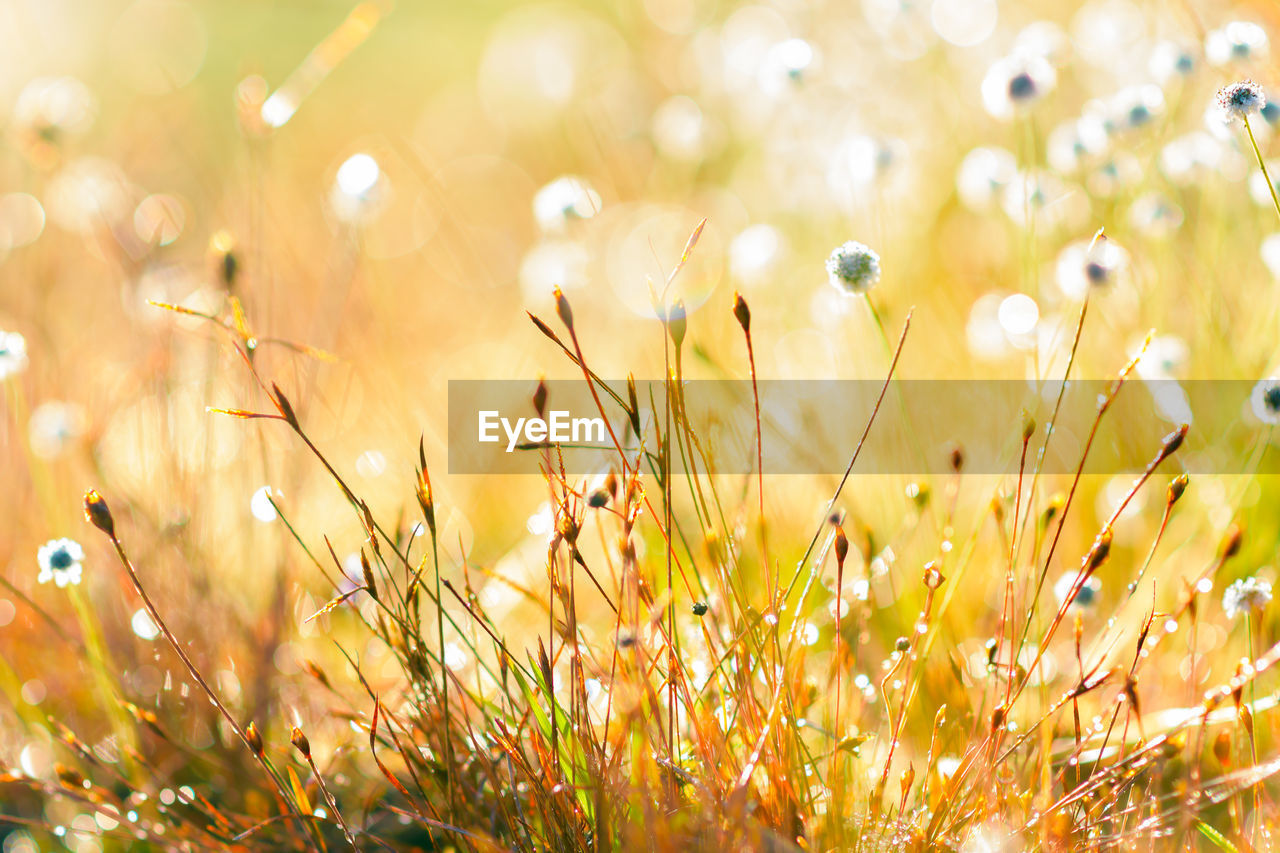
<point>1246,596</point>
<point>359,189</point>
<point>853,268</point>
<point>53,426</point>
<point>1171,60</point>
<point>59,561</point>
<point>13,354</point>
<point>1155,215</point>
<point>1135,106</point>
<point>1087,596</point>
<point>1241,99</point>
<point>1238,41</point>
<point>983,175</point>
<point>1265,400</point>
<point>1090,264</point>
<point>565,199</point>
<point>1016,82</point>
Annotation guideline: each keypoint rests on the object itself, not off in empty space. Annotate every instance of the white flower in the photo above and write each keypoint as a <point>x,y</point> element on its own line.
<point>1240,99</point>
<point>53,106</point>
<point>1015,82</point>
<point>13,354</point>
<point>1090,264</point>
<point>983,175</point>
<point>1135,106</point>
<point>566,198</point>
<point>1155,215</point>
<point>1085,598</point>
<point>1170,60</point>
<point>1237,41</point>
<point>1248,595</point>
<point>1164,357</point>
<point>1265,400</point>
<point>1076,142</point>
<point>853,268</point>
<point>359,189</point>
<point>59,561</point>
<point>53,426</point>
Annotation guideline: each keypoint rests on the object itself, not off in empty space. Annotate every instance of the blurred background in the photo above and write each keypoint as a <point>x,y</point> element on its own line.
<point>395,185</point>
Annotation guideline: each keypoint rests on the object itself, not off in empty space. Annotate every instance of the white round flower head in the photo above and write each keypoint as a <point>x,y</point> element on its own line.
<point>787,63</point>
<point>1238,41</point>
<point>1090,264</point>
<point>1246,596</point>
<point>1190,157</point>
<point>1171,60</point>
<point>1086,597</point>
<point>53,426</point>
<point>1265,400</point>
<point>13,354</point>
<point>983,175</point>
<point>1164,357</point>
<point>1015,82</point>
<point>1155,215</point>
<point>566,198</point>
<point>1240,99</point>
<point>1077,142</point>
<point>1135,106</point>
<point>52,106</point>
<point>59,561</point>
<point>853,268</point>
<point>359,188</point>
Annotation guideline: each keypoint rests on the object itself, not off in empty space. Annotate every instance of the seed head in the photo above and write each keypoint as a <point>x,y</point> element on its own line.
<point>98,514</point>
<point>563,310</point>
<point>853,268</point>
<point>300,742</point>
<point>1231,542</point>
<point>1028,425</point>
<point>842,545</point>
<point>741,312</point>
<point>254,739</point>
<point>367,571</point>
<point>677,322</point>
<point>540,398</point>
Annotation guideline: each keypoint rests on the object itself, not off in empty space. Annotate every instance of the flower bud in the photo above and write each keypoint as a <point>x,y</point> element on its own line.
<point>98,514</point>
<point>254,739</point>
<point>563,310</point>
<point>300,742</point>
<point>677,322</point>
<point>742,312</point>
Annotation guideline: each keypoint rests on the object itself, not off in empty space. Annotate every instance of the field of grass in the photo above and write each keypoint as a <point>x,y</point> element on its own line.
<point>249,599</point>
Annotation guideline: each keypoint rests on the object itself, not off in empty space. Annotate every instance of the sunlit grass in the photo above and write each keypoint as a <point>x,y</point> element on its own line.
<point>244,248</point>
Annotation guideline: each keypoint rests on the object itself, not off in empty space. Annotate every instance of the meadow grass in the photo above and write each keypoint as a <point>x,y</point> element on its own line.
<point>282,625</point>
